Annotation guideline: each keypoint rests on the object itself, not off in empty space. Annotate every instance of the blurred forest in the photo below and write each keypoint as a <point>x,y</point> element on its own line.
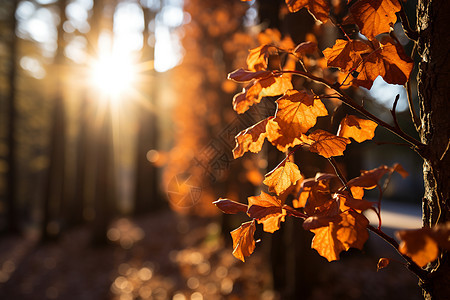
<point>116,132</point>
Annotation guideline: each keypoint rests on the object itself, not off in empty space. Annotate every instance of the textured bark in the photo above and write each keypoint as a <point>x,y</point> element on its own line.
<point>433,86</point>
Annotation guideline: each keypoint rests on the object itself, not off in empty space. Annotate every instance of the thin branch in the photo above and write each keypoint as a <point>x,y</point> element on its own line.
<point>409,32</point>
<point>412,266</point>
<point>338,172</point>
<point>349,101</point>
<point>412,111</point>
<point>393,113</point>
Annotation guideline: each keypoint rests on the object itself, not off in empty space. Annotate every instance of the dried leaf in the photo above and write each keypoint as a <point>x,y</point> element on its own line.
<point>297,112</point>
<point>382,263</point>
<point>258,88</point>
<point>358,129</point>
<point>399,169</point>
<point>305,48</point>
<point>282,177</point>
<point>349,232</point>
<point>327,144</point>
<point>257,58</point>
<point>346,55</point>
<point>267,210</point>
<point>275,136</point>
<point>241,75</point>
<point>418,245</point>
<point>250,139</point>
<point>369,179</point>
<point>243,241</point>
<point>375,16</point>
<point>263,205</point>
<point>347,201</point>
<point>229,206</point>
<point>388,60</point>
<point>319,9</point>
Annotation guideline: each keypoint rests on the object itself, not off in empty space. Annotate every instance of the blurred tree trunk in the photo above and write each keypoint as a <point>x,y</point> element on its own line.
<point>147,193</point>
<point>54,187</point>
<point>11,180</point>
<point>433,87</point>
<point>105,187</point>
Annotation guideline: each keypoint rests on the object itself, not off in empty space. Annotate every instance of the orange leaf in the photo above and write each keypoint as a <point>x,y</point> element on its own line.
<point>349,232</point>
<point>229,206</point>
<point>258,88</point>
<point>297,112</point>
<point>388,60</point>
<point>282,177</point>
<point>346,55</point>
<point>243,241</point>
<point>272,223</point>
<point>375,16</point>
<point>399,169</point>
<point>327,144</point>
<point>357,129</point>
<point>257,58</point>
<point>275,136</point>
<point>319,9</point>
<point>267,210</point>
<point>382,263</point>
<point>305,48</point>
<point>263,205</point>
<point>422,245</point>
<point>347,201</point>
<point>369,179</point>
<point>250,139</point>
<point>241,75</point>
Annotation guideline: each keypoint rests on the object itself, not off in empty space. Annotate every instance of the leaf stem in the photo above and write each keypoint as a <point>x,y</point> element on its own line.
<point>349,101</point>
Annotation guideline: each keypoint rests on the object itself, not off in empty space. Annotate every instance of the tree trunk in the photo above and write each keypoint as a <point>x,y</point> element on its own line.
<point>11,193</point>
<point>433,86</point>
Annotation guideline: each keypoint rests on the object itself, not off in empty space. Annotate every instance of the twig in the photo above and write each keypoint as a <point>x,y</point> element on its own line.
<point>338,172</point>
<point>393,113</point>
<point>409,32</point>
<point>412,266</point>
<point>412,111</point>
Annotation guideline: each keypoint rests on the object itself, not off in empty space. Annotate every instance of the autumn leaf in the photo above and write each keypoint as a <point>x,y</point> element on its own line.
<point>422,245</point>
<point>297,112</point>
<point>319,9</point>
<point>229,206</point>
<point>369,179</point>
<point>349,232</point>
<point>263,205</point>
<point>250,139</point>
<point>243,241</point>
<point>348,201</point>
<point>308,47</point>
<point>315,197</point>
<point>258,88</point>
<point>257,58</point>
<point>327,144</point>
<point>241,75</point>
<point>382,263</point>
<point>399,169</point>
<point>375,16</point>
<point>267,210</point>
<point>282,177</point>
<point>276,137</point>
<point>388,60</point>
<point>357,129</point>
<point>346,55</point>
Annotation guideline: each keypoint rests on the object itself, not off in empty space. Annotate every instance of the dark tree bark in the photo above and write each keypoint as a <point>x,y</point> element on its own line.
<point>434,86</point>
<point>147,194</point>
<point>54,189</point>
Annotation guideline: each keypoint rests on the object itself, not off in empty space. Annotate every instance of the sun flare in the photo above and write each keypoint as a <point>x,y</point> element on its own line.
<point>113,74</point>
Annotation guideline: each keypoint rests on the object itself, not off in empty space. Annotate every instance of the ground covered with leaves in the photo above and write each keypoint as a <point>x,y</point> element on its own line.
<point>167,256</point>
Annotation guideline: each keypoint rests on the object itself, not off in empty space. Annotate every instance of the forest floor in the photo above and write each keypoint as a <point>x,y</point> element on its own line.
<point>168,256</point>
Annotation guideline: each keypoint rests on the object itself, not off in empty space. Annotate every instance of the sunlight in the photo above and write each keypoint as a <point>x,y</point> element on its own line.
<point>113,74</point>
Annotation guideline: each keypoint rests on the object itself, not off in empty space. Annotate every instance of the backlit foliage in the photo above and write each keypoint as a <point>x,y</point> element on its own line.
<point>332,206</point>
